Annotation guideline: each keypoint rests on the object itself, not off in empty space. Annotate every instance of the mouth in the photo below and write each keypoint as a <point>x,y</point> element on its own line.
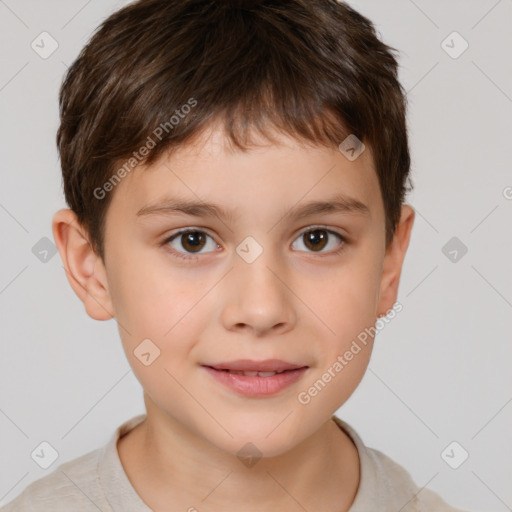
<point>251,368</point>
<point>250,374</point>
<point>256,378</point>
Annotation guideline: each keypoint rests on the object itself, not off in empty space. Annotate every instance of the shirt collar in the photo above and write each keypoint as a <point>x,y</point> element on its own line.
<point>117,487</point>
<point>122,496</point>
<point>367,489</point>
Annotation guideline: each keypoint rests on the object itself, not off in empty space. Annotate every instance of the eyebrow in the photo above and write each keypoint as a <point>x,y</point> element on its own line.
<point>339,203</point>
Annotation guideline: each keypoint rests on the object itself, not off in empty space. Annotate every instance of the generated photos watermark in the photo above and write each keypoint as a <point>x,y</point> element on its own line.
<point>305,397</point>
<point>141,154</point>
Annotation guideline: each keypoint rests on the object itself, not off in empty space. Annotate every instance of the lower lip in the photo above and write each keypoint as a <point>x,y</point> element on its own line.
<point>257,386</point>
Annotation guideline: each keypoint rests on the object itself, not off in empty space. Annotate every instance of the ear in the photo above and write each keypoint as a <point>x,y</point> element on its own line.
<point>392,266</point>
<point>84,268</point>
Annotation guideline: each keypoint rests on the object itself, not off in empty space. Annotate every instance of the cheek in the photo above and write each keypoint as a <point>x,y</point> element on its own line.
<point>149,296</point>
<point>346,305</point>
<point>152,303</point>
<point>346,302</point>
<point>341,364</point>
<point>165,327</point>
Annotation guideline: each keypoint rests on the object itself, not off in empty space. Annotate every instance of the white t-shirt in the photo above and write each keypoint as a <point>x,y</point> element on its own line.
<point>97,481</point>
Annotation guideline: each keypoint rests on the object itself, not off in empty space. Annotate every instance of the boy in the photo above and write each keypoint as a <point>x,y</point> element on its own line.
<point>236,174</point>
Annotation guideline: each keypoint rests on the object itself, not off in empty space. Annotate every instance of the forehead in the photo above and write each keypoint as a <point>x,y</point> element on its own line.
<point>267,176</point>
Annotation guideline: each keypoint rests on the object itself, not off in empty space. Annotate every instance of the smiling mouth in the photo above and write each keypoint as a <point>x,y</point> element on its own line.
<point>257,383</point>
<point>262,366</point>
<point>251,373</point>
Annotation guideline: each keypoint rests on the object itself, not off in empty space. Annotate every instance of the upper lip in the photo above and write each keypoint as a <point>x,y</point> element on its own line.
<point>248,365</point>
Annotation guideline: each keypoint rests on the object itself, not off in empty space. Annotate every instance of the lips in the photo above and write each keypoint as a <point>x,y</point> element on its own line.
<point>256,379</point>
<point>249,367</point>
<point>252,374</point>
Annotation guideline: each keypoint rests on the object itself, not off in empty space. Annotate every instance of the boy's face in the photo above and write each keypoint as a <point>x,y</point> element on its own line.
<point>262,283</point>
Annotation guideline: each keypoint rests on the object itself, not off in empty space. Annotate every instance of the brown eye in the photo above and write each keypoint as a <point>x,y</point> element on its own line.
<point>191,242</point>
<point>315,240</point>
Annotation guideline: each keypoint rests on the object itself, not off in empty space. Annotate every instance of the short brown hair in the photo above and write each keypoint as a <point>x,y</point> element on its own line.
<point>313,69</point>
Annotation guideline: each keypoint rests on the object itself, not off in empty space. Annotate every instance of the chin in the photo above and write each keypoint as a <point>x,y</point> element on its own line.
<point>265,437</point>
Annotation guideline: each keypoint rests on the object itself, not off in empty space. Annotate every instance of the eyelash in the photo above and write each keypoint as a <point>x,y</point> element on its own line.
<point>189,257</point>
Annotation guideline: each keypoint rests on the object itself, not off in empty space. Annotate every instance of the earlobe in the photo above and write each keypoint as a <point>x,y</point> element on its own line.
<point>84,268</point>
<point>393,261</point>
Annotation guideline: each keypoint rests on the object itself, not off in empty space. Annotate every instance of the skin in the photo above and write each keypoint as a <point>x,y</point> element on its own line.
<point>303,304</point>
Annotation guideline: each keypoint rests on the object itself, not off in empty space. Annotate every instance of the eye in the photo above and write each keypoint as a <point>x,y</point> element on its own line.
<point>192,241</point>
<point>317,239</point>
<point>187,243</point>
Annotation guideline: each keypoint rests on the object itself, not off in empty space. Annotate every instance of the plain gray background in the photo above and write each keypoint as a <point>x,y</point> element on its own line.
<point>440,371</point>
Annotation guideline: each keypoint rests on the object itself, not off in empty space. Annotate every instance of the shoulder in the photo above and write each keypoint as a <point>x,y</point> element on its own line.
<point>74,485</point>
<point>392,479</point>
<point>387,485</point>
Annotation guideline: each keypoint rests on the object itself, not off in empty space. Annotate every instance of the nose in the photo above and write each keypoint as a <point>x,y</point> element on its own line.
<point>258,298</point>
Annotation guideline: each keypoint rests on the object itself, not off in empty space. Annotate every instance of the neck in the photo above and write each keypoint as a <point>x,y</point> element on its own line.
<point>167,463</point>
